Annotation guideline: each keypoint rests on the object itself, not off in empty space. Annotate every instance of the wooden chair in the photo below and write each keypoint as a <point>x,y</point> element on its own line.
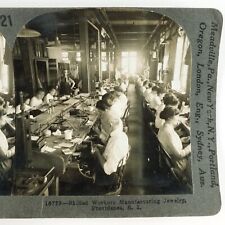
<point>120,173</point>
<point>124,118</point>
<point>177,174</point>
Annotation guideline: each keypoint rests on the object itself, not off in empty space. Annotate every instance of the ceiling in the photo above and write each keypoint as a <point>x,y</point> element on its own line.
<point>127,27</point>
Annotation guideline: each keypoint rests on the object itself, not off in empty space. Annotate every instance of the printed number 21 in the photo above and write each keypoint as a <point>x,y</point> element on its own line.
<point>5,21</point>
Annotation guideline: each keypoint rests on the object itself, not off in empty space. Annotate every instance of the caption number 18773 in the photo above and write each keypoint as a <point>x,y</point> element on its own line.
<point>5,21</point>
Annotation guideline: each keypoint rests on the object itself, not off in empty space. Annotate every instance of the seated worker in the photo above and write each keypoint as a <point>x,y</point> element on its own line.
<point>172,143</point>
<point>114,104</point>
<point>50,96</point>
<point>5,152</point>
<point>26,105</point>
<point>168,100</point>
<point>101,107</point>
<point>66,84</point>
<point>144,86</point>
<point>8,121</point>
<point>148,92</point>
<point>156,97</point>
<point>101,90</point>
<point>4,105</point>
<point>37,100</point>
<point>120,103</point>
<point>123,84</point>
<point>107,115</point>
<point>116,150</point>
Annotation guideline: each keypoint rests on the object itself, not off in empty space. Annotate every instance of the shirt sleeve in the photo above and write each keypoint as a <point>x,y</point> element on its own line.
<point>46,99</point>
<point>115,153</point>
<point>32,102</point>
<point>6,154</point>
<point>175,143</point>
<point>110,166</point>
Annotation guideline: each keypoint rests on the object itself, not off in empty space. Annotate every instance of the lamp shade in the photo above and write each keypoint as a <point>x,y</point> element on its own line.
<point>26,32</point>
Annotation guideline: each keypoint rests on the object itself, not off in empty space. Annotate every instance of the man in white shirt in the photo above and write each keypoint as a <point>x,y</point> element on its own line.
<point>101,90</point>
<point>123,86</point>
<point>115,151</point>
<point>120,103</point>
<point>5,152</point>
<point>37,100</point>
<point>50,96</point>
<point>144,87</point>
<point>106,117</point>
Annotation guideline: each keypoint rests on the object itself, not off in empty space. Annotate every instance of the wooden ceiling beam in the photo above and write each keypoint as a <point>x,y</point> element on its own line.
<point>133,28</point>
<point>134,22</point>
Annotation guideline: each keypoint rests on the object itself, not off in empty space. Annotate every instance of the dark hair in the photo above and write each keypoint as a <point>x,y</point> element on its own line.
<point>39,91</point>
<point>100,105</point>
<point>114,94</point>
<point>118,89</point>
<point>168,112</point>
<point>160,90</point>
<point>2,101</point>
<point>146,82</point>
<point>108,99</point>
<point>100,84</point>
<point>119,80</point>
<point>51,88</point>
<point>155,88</point>
<point>170,99</point>
<point>150,85</point>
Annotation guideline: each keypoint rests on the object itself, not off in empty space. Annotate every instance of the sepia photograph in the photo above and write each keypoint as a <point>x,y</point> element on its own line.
<point>100,98</point>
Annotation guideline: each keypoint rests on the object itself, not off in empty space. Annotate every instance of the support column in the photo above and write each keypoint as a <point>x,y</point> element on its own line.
<point>84,46</point>
<point>108,58</point>
<point>117,63</point>
<point>27,54</point>
<point>99,57</point>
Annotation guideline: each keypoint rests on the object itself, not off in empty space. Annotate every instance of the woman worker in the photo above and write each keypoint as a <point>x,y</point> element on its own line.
<point>172,143</point>
<point>168,100</point>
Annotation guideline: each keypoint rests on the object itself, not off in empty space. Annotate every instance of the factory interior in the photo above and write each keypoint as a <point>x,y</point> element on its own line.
<point>96,101</point>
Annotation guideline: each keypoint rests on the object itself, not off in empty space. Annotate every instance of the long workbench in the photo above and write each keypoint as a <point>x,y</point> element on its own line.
<point>57,151</point>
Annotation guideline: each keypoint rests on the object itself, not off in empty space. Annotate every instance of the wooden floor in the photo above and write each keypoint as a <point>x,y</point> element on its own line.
<point>141,173</point>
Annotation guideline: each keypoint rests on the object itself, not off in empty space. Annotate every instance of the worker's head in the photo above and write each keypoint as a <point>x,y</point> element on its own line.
<point>146,83</point>
<point>171,115</point>
<point>52,91</point>
<point>100,85</point>
<point>109,98</point>
<point>100,105</point>
<point>161,92</point>
<point>170,99</point>
<point>40,94</point>
<point>155,89</point>
<point>150,85</point>
<point>118,89</point>
<point>119,80</point>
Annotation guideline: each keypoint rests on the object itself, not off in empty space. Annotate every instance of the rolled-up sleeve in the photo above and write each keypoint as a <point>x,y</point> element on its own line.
<point>110,166</point>
<point>6,154</point>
